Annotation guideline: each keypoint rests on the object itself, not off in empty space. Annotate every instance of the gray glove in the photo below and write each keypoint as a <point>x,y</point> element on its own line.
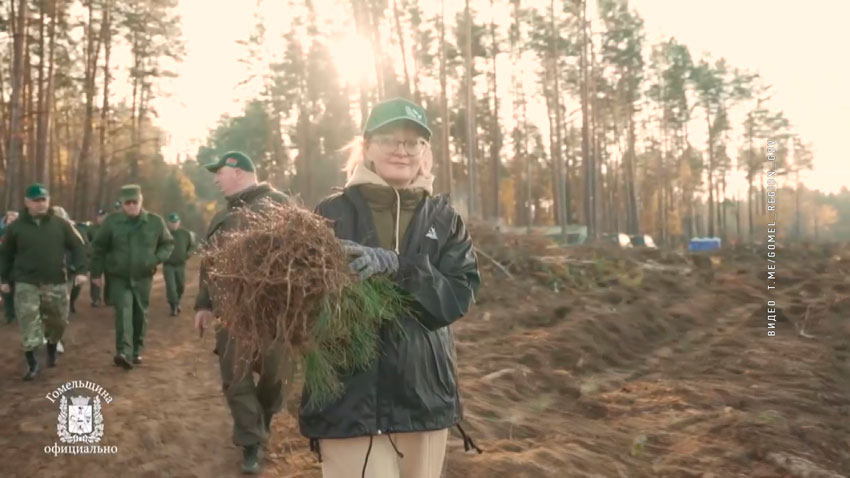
<point>370,260</point>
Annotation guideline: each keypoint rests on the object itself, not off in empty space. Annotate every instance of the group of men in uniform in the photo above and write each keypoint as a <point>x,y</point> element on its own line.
<point>45,258</point>
<point>124,249</point>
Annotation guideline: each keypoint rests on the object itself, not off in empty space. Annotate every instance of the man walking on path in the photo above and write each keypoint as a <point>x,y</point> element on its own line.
<point>252,405</point>
<point>129,247</point>
<point>95,291</point>
<point>33,254</point>
<point>9,299</point>
<point>174,269</point>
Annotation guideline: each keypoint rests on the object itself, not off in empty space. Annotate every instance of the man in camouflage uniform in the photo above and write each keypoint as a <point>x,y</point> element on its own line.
<point>251,404</point>
<point>33,256</point>
<point>9,299</point>
<point>129,247</point>
<point>95,291</point>
<point>174,269</point>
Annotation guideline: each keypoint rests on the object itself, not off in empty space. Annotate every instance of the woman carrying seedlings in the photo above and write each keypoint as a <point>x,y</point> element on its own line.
<point>393,419</point>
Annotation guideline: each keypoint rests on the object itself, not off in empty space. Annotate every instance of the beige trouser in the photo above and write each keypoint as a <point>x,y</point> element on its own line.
<point>423,456</point>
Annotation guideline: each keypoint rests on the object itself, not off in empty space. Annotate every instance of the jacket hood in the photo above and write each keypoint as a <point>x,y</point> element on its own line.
<point>364,175</point>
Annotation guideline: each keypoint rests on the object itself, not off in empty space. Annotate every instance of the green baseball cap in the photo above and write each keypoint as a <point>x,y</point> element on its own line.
<point>234,159</point>
<point>173,217</point>
<point>130,191</point>
<point>394,110</point>
<point>37,191</point>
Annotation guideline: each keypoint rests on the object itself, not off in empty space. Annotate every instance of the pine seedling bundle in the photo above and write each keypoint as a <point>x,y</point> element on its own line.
<point>283,277</point>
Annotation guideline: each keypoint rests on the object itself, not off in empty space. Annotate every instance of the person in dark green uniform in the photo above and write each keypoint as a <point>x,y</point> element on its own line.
<point>72,285</point>
<point>251,404</point>
<point>95,291</point>
<point>33,254</point>
<point>174,269</point>
<point>129,247</point>
<point>9,299</point>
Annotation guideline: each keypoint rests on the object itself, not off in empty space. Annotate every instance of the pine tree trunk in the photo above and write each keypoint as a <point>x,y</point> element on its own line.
<point>401,46</point>
<point>561,197</point>
<point>83,187</point>
<point>589,204</point>
<point>472,203</point>
<point>445,158</point>
<point>41,133</point>
<point>103,126</point>
<point>496,134</point>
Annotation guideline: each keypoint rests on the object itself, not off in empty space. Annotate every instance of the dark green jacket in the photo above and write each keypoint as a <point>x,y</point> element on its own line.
<point>131,248</point>
<point>34,252</point>
<point>226,220</point>
<point>184,245</point>
<point>91,233</point>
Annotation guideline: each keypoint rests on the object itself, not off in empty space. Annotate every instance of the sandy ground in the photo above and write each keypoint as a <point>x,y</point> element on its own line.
<point>615,366</point>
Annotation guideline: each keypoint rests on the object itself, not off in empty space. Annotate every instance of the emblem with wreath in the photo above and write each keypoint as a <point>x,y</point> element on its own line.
<point>66,436</point>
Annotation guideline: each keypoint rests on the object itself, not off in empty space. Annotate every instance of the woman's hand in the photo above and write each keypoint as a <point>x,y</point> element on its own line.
<point>369,261</point>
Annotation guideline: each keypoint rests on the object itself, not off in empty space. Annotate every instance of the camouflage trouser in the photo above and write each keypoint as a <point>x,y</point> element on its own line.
<point>42,311</point>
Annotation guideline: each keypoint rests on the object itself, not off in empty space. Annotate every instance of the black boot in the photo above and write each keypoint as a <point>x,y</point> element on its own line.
<point>51,354</point>
<point>252,459</point>
<point>173,312</point>
<point>32,361</point>
<point>73,309</point>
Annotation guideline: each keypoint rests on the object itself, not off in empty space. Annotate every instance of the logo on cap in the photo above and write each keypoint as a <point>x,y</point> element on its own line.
<point>413,113</point>
<point>231,161</point>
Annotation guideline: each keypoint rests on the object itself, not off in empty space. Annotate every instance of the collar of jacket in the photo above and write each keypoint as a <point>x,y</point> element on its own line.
<point>364,175</point>
<point>247,195</point>
<point>143,216</point>
<point>25,214</point>
<point>423,218</point>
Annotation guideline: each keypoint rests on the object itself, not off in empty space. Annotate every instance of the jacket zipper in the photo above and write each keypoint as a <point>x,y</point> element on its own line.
<point>380,362</point>
<point>397,216</point>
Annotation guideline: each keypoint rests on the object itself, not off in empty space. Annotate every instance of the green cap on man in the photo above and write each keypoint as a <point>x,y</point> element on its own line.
<point>173,217</point>
<point>234,159</point>
<point>394,110</point>
<point>130,192</point>
<point>36,191</point>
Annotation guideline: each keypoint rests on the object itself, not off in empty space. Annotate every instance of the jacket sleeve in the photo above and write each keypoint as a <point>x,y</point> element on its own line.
<point>100,246</point>
<point>442,294</point>
<point>203,300</point>
<point>75,243</point>
<point>8,249</point>
<point>165,243</point>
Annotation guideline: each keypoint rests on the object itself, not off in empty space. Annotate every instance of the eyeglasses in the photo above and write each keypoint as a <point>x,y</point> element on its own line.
<point>388,144</point>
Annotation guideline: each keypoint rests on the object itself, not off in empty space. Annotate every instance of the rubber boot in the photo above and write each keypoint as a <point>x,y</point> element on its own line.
<point>51,354</point>
<point>32,361</point>
<point>252,459</point>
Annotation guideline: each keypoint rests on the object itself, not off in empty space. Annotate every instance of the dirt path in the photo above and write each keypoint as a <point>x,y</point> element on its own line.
<point>668,378</point>
<point>168,417</point>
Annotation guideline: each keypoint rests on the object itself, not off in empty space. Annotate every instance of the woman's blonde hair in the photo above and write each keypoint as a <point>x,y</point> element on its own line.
<point>356,149</point>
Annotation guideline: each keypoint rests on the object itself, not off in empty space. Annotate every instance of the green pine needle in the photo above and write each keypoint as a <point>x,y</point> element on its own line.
<point>347,335</point>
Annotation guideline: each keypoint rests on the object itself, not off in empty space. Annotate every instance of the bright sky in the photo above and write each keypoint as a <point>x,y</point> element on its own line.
<point>796,48</point>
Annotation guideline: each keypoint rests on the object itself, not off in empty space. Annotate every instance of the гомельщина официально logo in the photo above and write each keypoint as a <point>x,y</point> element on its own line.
<point>79,424</point>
